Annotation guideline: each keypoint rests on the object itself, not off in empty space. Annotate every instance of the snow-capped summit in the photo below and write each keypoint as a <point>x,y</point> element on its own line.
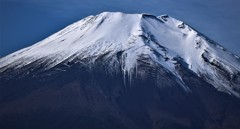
<point>126,39</point>
<point>125,71</point>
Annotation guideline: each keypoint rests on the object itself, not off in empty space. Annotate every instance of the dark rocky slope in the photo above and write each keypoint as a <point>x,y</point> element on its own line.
<point>93,98</point>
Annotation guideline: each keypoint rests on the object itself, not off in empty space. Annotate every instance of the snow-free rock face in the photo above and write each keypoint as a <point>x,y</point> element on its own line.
<point>126,38</point>
<point>121,71</point>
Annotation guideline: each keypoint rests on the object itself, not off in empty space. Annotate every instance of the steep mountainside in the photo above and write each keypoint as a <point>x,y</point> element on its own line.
<point>117,70</point>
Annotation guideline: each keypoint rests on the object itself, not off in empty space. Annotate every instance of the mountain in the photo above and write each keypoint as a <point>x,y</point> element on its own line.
<point>121,71</point>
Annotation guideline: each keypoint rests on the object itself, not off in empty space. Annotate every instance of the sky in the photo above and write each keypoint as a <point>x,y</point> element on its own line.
<point>25,22</point>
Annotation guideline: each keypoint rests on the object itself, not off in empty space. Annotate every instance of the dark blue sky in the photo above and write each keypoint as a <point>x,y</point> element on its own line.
<point>25,22</point>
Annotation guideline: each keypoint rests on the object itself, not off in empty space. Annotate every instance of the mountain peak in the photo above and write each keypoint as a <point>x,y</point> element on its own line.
<point>164,40</point>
